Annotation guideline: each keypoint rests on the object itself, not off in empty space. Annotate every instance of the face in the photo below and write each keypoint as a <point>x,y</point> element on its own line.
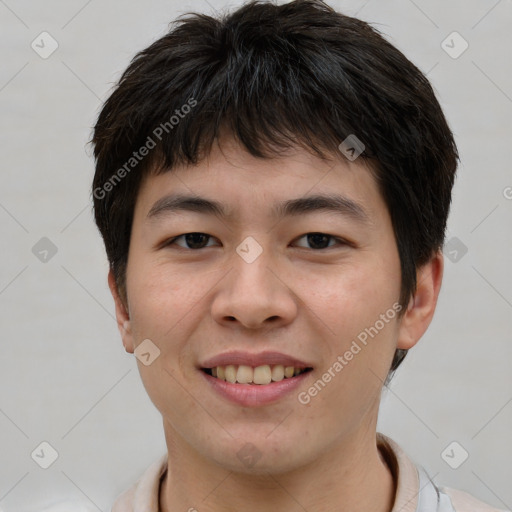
<point>307,290</point>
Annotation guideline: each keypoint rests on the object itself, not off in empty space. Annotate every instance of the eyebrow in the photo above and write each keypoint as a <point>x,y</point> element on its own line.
<point>331,203</point>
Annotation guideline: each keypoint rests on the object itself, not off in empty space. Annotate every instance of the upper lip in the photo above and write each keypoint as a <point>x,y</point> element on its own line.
<point>237,357</point>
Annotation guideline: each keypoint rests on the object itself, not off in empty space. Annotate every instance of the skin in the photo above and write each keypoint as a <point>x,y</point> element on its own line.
<point>294,298</point>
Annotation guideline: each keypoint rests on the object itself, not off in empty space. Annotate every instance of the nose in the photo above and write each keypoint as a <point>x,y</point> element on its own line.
<point>256,295</point>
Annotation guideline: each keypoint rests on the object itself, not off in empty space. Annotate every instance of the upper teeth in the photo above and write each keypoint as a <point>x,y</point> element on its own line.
<point>259,375</point>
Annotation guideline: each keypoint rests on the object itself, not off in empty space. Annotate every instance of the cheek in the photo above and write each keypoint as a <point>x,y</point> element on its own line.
<point>160,302</point>
<point>160,297</point>
<point>357,294</point>
<point>358,305</point>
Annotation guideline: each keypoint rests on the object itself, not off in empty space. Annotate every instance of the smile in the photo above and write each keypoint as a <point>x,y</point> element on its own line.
<point>259,375</point>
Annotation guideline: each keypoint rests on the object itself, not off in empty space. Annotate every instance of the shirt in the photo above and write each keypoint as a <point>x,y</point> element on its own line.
<point>415,492</point>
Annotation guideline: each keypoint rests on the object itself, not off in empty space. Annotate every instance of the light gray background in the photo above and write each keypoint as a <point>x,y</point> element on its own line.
<point>64,375</point>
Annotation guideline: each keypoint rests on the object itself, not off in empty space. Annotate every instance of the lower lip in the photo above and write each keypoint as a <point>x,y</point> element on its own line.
<point>254,395</point>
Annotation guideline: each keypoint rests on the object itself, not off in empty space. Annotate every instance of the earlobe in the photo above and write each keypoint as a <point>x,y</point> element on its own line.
<point>122,315</point>
<point>422,305</point>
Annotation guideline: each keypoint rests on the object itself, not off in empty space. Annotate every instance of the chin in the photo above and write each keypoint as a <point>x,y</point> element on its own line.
<point>263,464</point>
<point>257,455</point>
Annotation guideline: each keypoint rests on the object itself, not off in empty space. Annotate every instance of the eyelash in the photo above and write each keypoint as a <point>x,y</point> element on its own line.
<point>340,241</point>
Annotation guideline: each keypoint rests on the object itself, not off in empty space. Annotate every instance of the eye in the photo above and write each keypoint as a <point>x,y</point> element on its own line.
<point>193,240</point>
<point>196,241</point>
<point>319,240</point>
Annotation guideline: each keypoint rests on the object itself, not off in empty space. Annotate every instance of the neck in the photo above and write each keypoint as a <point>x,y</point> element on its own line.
<point>352,476</point>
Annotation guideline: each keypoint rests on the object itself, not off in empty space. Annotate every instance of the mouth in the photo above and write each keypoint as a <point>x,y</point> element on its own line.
<point>258,375</point>
<point>254,379</point>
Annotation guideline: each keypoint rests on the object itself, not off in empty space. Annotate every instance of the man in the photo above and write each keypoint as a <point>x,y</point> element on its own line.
<point>272,188</point>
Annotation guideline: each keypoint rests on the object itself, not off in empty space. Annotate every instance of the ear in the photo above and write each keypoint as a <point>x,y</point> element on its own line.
<point>422,305</point>
<point>122,315</point>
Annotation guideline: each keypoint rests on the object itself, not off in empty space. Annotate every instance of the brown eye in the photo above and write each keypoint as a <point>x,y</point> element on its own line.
<point>192,240</point>
<point>319,241</point>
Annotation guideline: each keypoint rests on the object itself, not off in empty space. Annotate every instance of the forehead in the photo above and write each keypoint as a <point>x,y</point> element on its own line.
<point>230,180</point>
